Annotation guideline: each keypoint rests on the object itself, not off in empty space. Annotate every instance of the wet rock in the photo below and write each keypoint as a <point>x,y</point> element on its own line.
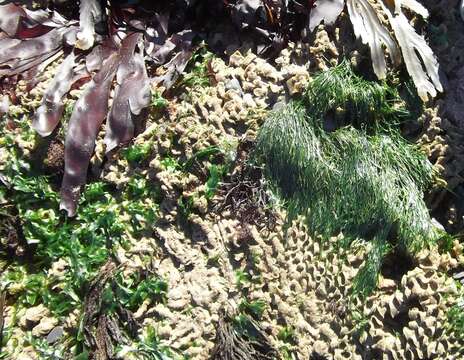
<point>54,335</point>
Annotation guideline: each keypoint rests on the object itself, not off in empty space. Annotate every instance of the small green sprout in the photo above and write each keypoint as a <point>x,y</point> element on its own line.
<point>197,70</point>
<point>287,335</point>
<point>132,295</point>
<point>242,278</point>
<point>170,163</point>
<point>254,308</point>
<point>137,153</point>
<point>158,101</point>
<point>216,174</point>
<point>456,320</point>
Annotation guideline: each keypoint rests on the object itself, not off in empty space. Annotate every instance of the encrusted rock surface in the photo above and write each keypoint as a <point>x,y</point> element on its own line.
<point>304,282</point>
<point>444,134</point>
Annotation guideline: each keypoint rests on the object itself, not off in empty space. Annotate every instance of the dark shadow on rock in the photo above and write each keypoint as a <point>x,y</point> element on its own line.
<point>396,264</point>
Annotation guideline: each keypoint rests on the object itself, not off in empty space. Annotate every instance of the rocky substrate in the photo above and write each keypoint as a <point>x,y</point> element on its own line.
<point>305,283</point>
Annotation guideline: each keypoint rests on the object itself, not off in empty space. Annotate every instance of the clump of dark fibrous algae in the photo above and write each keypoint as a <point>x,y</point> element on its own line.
<point>12,241</point>
<point>244,192</point>
<point>241,337</point>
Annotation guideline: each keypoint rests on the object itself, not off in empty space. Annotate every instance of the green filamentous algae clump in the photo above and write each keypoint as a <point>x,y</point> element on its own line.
<point>338,158</point>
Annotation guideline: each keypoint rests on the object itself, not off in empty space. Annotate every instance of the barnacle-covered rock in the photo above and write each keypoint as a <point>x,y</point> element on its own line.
<point>307,288</point>
<point>307,285</point>
<point>201,289</point>
<point>33,316</point>
<point>323,48</point>
<point>414,316</point>
<point>442,140</point>
<point>44,326</point>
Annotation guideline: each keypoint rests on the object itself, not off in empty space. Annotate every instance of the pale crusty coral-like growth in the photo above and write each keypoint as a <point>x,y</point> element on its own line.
<point>307,285</point>
<point>442,141</point>
<point>411,317</point>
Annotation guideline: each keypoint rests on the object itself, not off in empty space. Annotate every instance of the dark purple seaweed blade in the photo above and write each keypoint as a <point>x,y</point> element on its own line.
<point>88,114</point>
<point>132,95</point>
<point>49,113</point>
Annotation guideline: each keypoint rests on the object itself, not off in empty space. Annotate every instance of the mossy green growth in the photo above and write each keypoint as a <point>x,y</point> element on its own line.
<point>150,347</point>
<point>197,73</point>
<point>131,291</point>
<point>158,101</point>
<point>341,97</point>
<point>456,320</point>
<point>338,158</point>
<point>255,308</point>
<point>137,153</point>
